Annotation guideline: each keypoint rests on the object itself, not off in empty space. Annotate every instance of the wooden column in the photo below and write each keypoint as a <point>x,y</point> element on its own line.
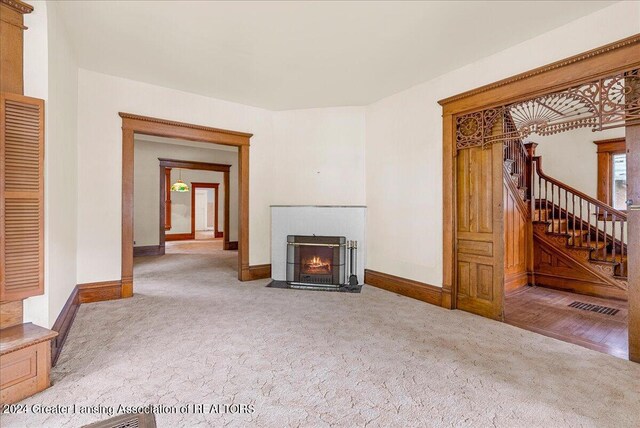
<point>11,45</point>
<point>11,81</point>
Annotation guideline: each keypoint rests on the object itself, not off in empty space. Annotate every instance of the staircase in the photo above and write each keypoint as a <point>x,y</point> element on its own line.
<point>579,243</point>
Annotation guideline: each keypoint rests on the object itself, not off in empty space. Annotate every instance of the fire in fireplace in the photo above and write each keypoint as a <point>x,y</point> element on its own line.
<point>316,260</point>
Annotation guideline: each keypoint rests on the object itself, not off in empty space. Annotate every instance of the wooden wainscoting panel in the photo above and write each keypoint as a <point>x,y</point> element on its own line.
<point>63,324</point>
<point>25,361</point>
<point>406,287</point>
<point>99,291</point>
<point>553,268</point>
<point>148,250</point>
<point>516,218</point>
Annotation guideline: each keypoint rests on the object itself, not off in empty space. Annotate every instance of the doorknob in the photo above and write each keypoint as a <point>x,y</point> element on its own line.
<point>631,206</point>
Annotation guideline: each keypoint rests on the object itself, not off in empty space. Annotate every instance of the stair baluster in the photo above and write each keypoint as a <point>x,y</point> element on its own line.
<point>601,231</point>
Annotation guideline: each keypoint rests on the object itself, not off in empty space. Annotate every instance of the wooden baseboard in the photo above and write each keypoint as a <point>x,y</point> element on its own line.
<point>254,272</point>
<point>148,250</point>
<point>219,235</point>
<point>407,287</point>
<point>579,286</point>
<point>63,324</point>
<point>81,293</point>
<point>515,281</point>
<point>179,236</point>
<point>230,245</point>
<point>99,291</point>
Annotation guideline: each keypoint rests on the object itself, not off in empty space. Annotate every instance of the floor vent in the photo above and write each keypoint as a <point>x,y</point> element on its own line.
<point>594,308</point>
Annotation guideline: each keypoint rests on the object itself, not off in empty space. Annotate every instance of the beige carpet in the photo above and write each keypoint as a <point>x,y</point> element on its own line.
<point>194,334</point>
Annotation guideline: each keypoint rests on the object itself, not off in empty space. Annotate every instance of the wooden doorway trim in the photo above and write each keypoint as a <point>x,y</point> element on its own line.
<point>215,187</point>
<point>132,124</point>
<point>601,62</point>
<point>202,166</point>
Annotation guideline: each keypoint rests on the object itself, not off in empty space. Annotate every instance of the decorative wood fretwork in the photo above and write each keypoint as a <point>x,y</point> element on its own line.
<point>605,103</point>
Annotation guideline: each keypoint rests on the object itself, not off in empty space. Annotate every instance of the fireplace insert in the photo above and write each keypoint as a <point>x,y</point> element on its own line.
<point>316,260</point>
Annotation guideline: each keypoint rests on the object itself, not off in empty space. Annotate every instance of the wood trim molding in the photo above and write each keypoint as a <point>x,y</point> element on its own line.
<point>230,245</point>
<point>179,236</point>
<point>214,186</point>
<point>148,250</point>
<point>257,272</point>
<point>606,150</point>
<point>173,123</point>
<point>624,43</point>
<point>18,6</point>
<point>603,61</point>
<point>99,291</point>
<point>185,164</point>
<point>132,124</point>
<point>63,324</point>
<point>166,194</point>
<point>206,166</point>
<point>406,287</point>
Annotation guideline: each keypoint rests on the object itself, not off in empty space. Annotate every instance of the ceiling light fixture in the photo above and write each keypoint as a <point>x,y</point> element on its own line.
<point>180,186</point>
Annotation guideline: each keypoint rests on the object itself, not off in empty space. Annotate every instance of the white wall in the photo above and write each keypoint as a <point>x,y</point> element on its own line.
<point>279,171</point>
<point>314,156</point>
<point>572,158</point>
<point>146,191</point>
<point>51,73</point>
<point>318,157</point>
<point>404,143</point>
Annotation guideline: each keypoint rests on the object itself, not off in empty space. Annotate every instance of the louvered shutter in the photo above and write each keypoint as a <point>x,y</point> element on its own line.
<point>21,197</point>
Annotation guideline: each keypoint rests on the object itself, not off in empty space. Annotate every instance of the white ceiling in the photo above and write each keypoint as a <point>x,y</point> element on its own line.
<point>287,55</point>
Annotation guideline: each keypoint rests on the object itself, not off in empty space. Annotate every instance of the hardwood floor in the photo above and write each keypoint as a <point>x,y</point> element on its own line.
<point>547,312</point>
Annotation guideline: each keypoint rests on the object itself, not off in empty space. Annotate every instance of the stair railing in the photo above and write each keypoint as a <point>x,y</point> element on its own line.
<point>515,151</point>
<point>590,222</point>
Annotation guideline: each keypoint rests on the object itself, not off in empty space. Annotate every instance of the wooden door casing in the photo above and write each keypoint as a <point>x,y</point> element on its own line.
<point>633,245</point>
<point>479,231</point>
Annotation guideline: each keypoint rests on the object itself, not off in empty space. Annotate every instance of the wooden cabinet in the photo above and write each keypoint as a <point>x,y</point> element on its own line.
<point>25,361</point>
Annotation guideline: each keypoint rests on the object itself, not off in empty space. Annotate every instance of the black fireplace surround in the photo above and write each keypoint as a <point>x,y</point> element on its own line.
<point>316,260</point>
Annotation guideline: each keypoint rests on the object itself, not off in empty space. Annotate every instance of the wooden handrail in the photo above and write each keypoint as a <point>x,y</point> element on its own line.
<point>609,209</point>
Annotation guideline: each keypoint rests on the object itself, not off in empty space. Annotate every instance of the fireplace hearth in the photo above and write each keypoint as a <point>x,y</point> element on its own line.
<point>316,261</point>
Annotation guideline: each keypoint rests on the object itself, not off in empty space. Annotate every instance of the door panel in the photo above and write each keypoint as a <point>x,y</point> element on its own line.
<point>480,260</point>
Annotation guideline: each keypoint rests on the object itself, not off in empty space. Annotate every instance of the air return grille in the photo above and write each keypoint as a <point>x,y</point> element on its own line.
<point>594,308</point>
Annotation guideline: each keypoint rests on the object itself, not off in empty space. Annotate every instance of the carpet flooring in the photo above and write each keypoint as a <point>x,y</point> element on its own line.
<point>193,334</point>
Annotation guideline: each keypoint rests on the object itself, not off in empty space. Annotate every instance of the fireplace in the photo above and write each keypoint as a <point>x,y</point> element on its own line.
<point>316,261</point>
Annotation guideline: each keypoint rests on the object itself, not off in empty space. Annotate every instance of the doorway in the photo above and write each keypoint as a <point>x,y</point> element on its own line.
<point>474,248</point>
<point>170,170</point>
<point>132,124</point>
<point>205,207</point>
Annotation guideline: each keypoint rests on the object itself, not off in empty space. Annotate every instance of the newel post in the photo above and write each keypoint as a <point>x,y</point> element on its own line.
<point>531,153</point>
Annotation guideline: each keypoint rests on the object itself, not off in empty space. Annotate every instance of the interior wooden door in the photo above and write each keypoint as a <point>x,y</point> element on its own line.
<point>479,231</point>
